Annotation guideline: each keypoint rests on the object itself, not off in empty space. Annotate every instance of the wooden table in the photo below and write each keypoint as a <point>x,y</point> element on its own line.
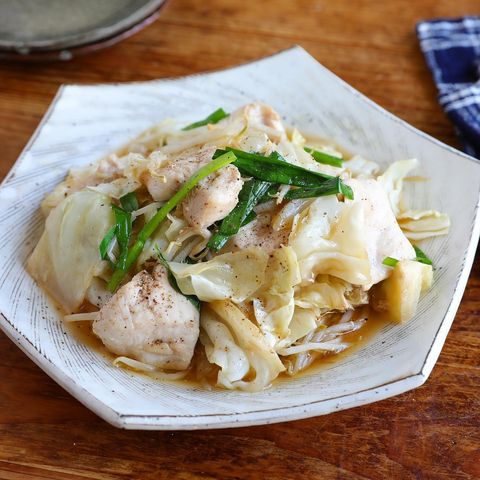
<point>432,432</point>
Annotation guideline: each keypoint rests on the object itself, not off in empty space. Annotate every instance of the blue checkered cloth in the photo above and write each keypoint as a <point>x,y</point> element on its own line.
<point>452,51</point>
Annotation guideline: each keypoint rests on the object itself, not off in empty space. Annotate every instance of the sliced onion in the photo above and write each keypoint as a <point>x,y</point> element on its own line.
<point>81,317</point>
<point>145,367</point>
<point>146,209</point>
<point>324,346</point>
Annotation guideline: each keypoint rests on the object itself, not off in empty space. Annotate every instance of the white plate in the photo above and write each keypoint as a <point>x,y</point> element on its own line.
<point>86,122</point>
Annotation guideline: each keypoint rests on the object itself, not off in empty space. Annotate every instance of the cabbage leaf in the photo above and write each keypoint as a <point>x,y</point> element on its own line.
<point>238,347</point>
<point>235,276</point>
<point>421,224</point>
<point>392,181</point>
<point>330,293</point>
<point>274,306</point>
<point>67,258</point>
<point>329,238</point>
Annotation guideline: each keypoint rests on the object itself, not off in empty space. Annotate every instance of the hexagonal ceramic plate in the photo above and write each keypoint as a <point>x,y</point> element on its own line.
<point>86,122</point>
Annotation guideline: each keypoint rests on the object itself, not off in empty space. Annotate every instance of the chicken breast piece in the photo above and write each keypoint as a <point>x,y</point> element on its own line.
<point>106,170</point>
<point>384,236</point>
<point>258,233</point>
<point>213,198</point>
<point>151,322</point>
<point>266,119</point>
<point>166,175</point>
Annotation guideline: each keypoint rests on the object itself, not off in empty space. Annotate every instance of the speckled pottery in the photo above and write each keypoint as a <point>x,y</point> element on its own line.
<point>61,29</point>
<point>86,122</point>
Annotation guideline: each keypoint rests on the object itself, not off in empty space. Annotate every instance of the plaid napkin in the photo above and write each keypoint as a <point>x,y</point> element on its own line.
<point>452,51</point>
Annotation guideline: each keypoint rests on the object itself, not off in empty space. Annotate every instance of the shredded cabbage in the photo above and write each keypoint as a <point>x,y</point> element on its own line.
<point>238,347</point>
<point>330,293</point>
<point>235,276</point>
<point>392,181</point>
<point>421,224</point>
<point>360,167</point>
<point>275,305</point>
<point>303,322</point>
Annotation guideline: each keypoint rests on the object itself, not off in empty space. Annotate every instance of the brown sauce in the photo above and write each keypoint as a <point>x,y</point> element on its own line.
<point>358,339</point>
<point>82,331</point>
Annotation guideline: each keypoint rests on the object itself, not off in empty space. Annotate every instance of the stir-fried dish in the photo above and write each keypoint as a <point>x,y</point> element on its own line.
<point>232,249</point>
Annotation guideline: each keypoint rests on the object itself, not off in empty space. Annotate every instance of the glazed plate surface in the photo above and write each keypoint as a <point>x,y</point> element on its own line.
<point>86,122</point>
<point>59,29</point>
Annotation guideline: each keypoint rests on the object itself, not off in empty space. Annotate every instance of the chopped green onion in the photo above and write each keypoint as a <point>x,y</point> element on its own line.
<point>274,169</point>
<point>123,233</point>
<point>214,117</point>
<point>325,158</point>
<point>218,240</point>
<point>249,218</point>
<point>193,299</point>
<point>150,227</point>
<point>231,224</point>
<point>105,243</point>
<point>346,190</point>
<point>332,186</point>
<point>129,202</point>
<point>247,199</point>
<point>390,261</point>
<point>421,257</point>
<point>269,194</point>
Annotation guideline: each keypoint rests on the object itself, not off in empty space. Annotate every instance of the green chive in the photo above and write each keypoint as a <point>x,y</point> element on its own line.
<point>129,202</point>
<point>390,261</point>
<point>218,240</point>
<point>346,190</point>
<point>123,233</point>
<point>325,158</point>
<point>193,299</point>
<point>249,218</point>
<point>274,169</point>
<point>268,195</point>
<point>214,117</point>
<point>147,231</point>
<point>332,186</point>
<point>105,243</point>
<point>231,224</point>
<point>421,257</point>
<point>247,199</point>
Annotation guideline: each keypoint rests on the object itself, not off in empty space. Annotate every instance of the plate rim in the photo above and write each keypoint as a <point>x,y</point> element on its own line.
<point>97,35</point>
<point>269,415</point>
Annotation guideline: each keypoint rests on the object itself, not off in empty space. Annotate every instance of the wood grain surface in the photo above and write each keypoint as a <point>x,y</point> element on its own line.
<point>432,432</point>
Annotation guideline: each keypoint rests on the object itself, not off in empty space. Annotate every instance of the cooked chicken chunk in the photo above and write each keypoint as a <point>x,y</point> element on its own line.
<point>151,322</point>
<point>266,119</point>
<point>213,198</point>
<point>106,170</point>
<point>384,236</point>
<point>258,233</point>
<point>167,175</point>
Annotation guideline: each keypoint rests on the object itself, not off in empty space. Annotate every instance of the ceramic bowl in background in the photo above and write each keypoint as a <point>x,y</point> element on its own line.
<point>59,29</point>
